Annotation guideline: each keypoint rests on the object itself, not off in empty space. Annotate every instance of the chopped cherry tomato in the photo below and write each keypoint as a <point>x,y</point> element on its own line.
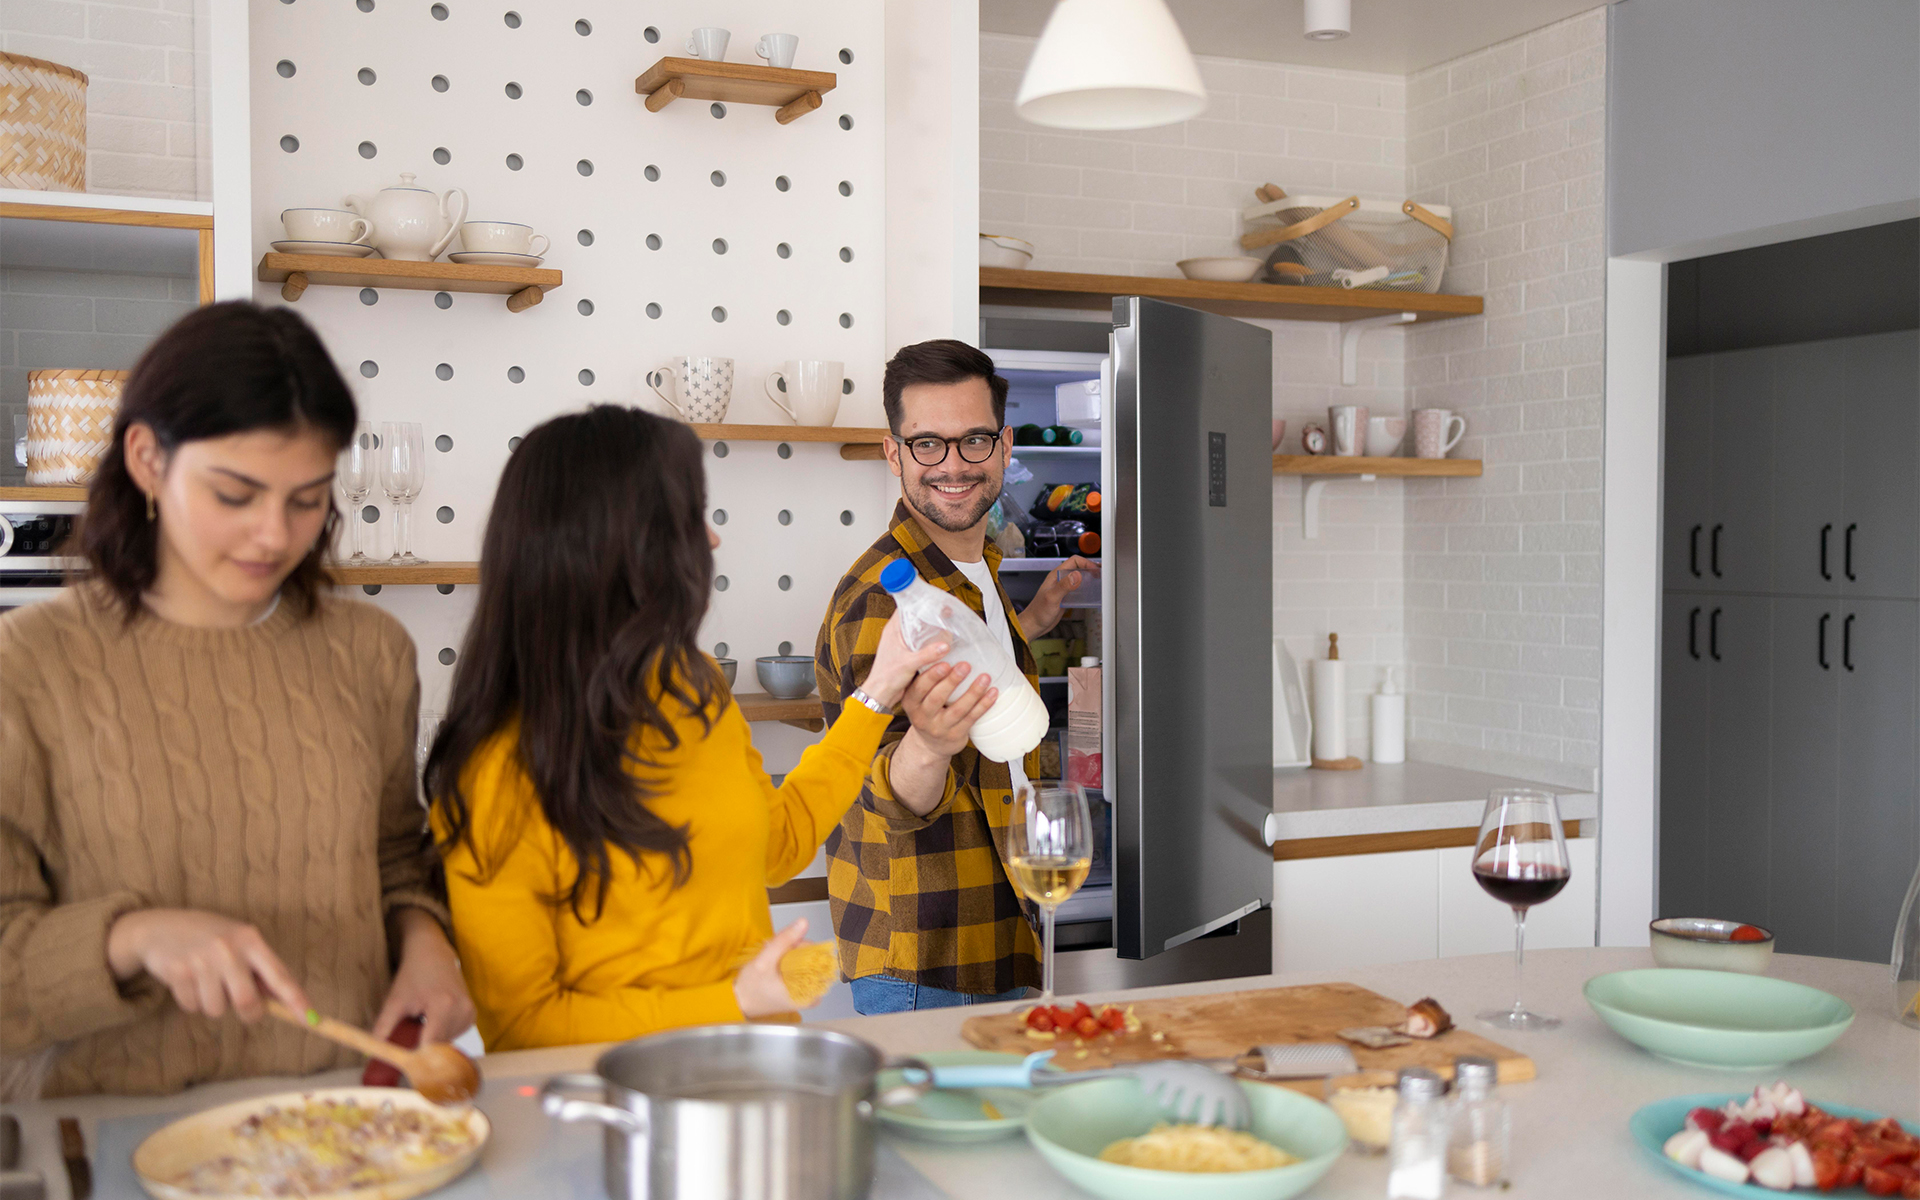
<point>1040,1021</point>
<point>1112,1018</point>
<point>1879,1182</point>
<point>1747,933</point>
<point>1087,1027</point>
<point>1080,1010</point>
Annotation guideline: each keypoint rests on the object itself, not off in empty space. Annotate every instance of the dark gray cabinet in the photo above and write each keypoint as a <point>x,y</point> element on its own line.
<point>1790,685</point>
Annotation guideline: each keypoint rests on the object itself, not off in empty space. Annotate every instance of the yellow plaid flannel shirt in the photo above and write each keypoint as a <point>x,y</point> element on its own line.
<point>924,899</point>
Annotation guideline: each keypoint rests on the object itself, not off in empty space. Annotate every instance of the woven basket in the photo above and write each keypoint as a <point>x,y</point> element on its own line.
<point>43,125</point>
<point>69,423</point>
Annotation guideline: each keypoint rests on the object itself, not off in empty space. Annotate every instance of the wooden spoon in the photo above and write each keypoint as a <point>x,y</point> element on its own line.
<point>437,1071</point>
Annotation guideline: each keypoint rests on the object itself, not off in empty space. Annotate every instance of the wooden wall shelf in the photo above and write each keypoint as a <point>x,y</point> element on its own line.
<point>845,435</point>
<point>805,713</point>
<point>793,93</point>
<point>1062,289</point>
<point>523,286</point>
<point>385,573</point>
<point>63,495</point>
<point>1327,464</point>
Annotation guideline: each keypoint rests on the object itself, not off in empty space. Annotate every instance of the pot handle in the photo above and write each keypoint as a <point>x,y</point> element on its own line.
<point>908,1089</point>
<point>557,1106</point>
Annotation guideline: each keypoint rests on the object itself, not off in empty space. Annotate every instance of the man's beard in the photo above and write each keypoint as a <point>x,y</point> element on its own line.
<point>928,503</point>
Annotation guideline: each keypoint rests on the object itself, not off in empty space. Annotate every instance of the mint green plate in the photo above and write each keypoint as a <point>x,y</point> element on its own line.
<point>1716,1018</point>
<point>1654,1124</point>
<point>957,1115</point>
<point>1070,1126</point>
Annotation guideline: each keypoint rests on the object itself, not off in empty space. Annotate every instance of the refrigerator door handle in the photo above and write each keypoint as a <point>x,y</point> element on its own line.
<point>1693,633</point>
<point>1713,636</point>
<point>1693,551</point>
<point>1713,552</point>
<point>1824,619</point>
<point>1846,555</point>
<point>1846,642</point>
<point>1826,533</point>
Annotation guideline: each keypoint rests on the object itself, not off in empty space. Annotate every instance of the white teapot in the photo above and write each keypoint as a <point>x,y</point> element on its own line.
<point>411,223</point>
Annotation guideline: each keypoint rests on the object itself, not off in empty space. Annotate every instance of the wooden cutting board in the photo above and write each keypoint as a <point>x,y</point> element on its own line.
<point>1228,1024</point>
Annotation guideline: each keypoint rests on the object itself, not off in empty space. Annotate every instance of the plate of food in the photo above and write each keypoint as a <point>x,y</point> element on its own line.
<point>351,1143</point>
<point>1775,1140</point>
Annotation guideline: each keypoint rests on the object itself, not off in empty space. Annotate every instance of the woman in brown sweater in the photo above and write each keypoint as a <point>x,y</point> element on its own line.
<point>207,787</point>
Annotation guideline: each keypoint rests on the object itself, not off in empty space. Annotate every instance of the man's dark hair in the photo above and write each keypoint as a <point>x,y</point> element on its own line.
<point>943,360</point>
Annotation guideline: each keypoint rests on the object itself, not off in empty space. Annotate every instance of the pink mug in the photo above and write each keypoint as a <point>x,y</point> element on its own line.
<point>1279,432</point>
<point>1434,432</point>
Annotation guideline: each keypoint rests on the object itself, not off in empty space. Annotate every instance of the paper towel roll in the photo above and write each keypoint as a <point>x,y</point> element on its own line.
<point>1329,709</point>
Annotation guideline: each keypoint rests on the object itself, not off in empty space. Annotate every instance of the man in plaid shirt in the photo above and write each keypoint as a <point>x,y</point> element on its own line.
<point>922,908</point>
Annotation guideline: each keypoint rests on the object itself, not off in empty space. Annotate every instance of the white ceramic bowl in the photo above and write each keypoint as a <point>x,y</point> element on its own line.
<point>999,250</point>
<point>1701,944</point>
<point>1231,269</point>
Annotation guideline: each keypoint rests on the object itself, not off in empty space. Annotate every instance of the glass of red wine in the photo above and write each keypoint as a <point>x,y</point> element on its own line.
<point>1520,860</point>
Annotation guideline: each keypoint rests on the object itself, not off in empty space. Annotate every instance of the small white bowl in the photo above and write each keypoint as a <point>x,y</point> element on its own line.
<point>999,250</point>
<point>1704,944</point>
<point>1237,268</point>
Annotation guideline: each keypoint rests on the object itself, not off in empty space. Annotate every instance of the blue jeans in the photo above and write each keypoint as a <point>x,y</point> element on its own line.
<point>874,994</point>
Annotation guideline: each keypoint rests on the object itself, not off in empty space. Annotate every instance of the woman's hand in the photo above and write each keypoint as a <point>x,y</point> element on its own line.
<point>209,962</point>
<point>427,983</point>
<point>941,713</point>
<point>758,988</point>
<point>894,666</point>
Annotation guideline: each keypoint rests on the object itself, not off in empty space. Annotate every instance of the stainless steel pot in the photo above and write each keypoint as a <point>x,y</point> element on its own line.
<point>736,1112</point>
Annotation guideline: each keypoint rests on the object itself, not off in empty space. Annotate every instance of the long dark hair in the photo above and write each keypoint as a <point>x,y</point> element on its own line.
<point>594,575</point>
<point>223,369</point>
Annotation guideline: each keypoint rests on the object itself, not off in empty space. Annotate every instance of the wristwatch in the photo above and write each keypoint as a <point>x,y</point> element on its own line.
<point>860,694</point>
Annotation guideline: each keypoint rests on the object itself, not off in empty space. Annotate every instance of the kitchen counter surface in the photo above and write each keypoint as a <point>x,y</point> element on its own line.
<point>1569,1125</point>
<point>1402,798</point>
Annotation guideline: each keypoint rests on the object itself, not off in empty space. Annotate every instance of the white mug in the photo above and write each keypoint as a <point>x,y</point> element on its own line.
<point>777,49</point>
<point>326,225</point>
<point>1433,431</point>
<point>808,390</point>
<point>1384,435</point>
<point>708,42</point>
<point>704,386</point>
<point>1347,423</point>
<point>502,237</point>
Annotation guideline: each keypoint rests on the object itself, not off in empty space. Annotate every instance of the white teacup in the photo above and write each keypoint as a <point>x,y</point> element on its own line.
<point>709,42</point>
<point>777,49</point>
<point>326,225</point>
<point>703,386</point>
<point>502,237</point>
<point>808,390</point>
<point>1384,435</point>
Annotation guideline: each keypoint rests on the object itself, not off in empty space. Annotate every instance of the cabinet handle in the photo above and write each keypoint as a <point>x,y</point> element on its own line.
<point>1713,636</point>
<point>1846,642</point>
<point>1693,633</point>
<point>1847,554</point>
<point>1693,551</point>
<point>1824,664</point>
<point>1713,551</point>
<point>1826,532</point>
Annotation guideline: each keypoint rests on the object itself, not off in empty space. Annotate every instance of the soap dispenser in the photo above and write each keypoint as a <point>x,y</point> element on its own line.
<point>1389,722</point>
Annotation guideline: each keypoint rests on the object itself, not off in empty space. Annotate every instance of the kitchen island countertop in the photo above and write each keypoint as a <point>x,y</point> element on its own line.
<point>1570,1138</point>
<point>1398,798</point>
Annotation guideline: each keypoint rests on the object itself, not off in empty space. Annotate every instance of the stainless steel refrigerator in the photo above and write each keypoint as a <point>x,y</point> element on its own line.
<point>1187,617</point>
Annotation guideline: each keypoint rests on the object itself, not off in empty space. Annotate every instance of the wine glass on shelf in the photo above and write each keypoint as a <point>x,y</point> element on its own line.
<point>355,471</point>
<point>403,471</point>
<point>1051,853</point>
<point>1521,860</point>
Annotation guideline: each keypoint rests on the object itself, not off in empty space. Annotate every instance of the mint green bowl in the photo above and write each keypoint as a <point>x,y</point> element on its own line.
<point>1072,1125</point>
<point>1716,1018</point>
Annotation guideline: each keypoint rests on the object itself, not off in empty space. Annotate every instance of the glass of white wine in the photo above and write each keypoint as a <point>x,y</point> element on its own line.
<point>1051,852</point>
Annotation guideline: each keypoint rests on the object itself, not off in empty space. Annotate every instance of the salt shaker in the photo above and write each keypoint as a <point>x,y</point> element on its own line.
<point>1418,1156</point>
<point>1477,1151</point>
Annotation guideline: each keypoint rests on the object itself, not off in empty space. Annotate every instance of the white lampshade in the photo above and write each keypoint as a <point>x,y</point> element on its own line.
<point>1111,64</point>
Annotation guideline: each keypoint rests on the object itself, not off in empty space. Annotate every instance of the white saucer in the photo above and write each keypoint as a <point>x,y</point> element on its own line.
<point>335,249</point>
<point>475,258</point>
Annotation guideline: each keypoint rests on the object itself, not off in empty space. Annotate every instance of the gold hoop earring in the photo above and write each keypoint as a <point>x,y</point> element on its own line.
<point>151,514</point>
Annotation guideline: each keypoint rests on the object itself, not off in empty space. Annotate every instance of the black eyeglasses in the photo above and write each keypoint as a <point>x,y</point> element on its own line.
<point>930,451</point>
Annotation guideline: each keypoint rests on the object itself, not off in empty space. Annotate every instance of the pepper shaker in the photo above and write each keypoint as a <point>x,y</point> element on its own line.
<point>1481,1125</point>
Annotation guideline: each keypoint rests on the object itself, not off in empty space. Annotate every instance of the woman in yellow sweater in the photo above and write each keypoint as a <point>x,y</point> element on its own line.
<point>607,828</point>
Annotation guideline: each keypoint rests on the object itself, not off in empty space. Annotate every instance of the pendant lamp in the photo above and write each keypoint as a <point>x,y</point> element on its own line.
<point>1111,64</point>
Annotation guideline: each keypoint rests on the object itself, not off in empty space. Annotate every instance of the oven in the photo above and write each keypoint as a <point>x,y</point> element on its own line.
<point>31,534</point>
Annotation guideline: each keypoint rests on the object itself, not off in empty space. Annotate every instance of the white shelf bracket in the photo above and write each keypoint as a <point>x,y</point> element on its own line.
<point>1350,332</point>
<point>1310,504</point>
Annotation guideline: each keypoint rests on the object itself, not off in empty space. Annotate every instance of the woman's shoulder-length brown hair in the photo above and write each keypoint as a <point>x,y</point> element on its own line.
<point>224,369</point>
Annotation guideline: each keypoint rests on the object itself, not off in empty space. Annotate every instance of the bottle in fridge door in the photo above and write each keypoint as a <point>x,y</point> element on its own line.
<point>1018,719</point>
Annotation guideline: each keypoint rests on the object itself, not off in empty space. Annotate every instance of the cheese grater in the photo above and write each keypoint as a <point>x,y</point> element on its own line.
<point>1303,1060</point>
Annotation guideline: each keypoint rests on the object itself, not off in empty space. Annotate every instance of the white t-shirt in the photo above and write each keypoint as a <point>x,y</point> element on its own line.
<point>981,576</point>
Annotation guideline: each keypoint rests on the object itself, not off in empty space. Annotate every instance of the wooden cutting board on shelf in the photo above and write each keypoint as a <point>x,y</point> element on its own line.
<point>1228,1024</point>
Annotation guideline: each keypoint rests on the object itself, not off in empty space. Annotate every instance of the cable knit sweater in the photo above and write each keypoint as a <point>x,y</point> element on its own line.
<point>264,773</point>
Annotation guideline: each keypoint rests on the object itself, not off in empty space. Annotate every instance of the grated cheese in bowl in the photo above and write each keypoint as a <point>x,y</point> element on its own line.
<point>1196,1149</point>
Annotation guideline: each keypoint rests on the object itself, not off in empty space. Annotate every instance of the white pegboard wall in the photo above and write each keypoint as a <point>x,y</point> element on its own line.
<point>651,183</point>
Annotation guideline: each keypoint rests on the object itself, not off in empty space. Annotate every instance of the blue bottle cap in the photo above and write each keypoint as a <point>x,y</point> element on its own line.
<point>898,575</point>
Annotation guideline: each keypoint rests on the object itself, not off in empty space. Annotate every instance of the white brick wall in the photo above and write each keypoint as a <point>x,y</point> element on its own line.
<point>1503,572</point>
<point>146,112</point>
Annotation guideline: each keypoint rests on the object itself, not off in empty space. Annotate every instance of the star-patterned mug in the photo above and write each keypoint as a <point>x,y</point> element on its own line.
<point>704,387</point>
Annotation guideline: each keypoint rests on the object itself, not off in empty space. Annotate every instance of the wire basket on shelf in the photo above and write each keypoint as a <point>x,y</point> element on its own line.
<point>1329,241</point>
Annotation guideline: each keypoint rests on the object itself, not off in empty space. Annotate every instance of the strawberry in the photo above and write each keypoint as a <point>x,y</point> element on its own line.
<point>1706,1119</point>
<point>1880,1182</point>
<point>1826,1169</point>
<point>1731,1136</point>
<point>1910,1190</point>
